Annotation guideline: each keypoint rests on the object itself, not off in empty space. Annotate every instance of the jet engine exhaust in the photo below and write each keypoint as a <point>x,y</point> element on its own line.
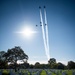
<point>45,37</point>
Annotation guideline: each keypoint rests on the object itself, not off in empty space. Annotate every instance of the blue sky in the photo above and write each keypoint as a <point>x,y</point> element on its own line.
<point>18,14</point>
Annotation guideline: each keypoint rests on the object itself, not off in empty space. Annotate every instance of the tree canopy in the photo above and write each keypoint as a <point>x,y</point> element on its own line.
<point>15,54</point>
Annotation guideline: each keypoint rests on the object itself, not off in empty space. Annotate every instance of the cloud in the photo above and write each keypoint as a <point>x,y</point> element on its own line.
<point>37,57</point>
<point>34,61</point>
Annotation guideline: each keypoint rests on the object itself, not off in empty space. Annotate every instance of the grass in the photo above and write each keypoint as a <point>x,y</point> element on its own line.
<point>43,72</point>
<point>69,72</point>
<point>5,72</point>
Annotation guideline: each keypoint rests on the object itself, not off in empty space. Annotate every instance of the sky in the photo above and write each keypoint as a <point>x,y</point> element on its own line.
<point>15,15</point>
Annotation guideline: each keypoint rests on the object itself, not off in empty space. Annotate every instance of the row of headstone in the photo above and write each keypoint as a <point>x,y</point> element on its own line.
<point>63,73</point>
<point>37,72</point>
<point>48,72</point>
<point>53,71</point>
<point>20,72</point>
<point>12,73</point>
<point>0,73</point>
<point>57,71</point>
<point>34,71</point>
<point>73,73</point>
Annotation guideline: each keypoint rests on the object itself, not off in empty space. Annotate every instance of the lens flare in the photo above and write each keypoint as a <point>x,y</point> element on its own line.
<point>27,32</point>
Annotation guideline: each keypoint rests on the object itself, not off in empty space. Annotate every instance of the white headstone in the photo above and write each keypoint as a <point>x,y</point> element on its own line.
<point>0,73</point>
<point>12,73</point>
<point>49,73</point>
<point>25,73</point>
<point>63,73</point>
<point>73,73</point>
<point>20,73</point>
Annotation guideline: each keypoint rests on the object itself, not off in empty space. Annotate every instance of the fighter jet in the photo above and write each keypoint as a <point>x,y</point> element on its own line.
<point>44,7</point>
<point>45,24</point>
<point>36,25</point>
<point>41,22</point>
<point>39,7</point>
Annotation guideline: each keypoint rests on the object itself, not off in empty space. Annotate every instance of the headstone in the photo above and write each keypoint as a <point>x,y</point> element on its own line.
<point>63,73</point>
<point>20,73</point>
<point>12,73</point>
<point>25,73</point>
<point>49,73</point>
<point>73,73</point>
<point>38,73</point>
<point>0,73</point>
<point>35,74</point>
<point>60,71</point>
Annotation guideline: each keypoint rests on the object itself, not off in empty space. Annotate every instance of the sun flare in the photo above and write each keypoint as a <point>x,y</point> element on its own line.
<point>27,32</point>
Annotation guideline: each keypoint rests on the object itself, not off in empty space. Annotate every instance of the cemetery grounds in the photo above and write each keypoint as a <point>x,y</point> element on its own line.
<point>36,72</point>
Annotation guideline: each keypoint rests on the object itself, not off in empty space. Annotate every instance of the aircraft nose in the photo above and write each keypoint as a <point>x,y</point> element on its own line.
<point>44,7</point>
<point>39,7</point>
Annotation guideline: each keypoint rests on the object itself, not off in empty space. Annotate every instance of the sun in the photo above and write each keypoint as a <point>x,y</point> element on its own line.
<point>27,32</point>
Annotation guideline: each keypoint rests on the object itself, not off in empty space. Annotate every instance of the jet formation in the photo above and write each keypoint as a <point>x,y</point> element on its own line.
<point>44,27</point>
<point>41,22</point>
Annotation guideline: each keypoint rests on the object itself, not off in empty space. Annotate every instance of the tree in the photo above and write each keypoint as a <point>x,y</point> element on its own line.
<point>52,62</point>
<point>15,54</point>
<point>71,65</point>
<point>3,63</point>
<point>37,65</point>
<point>31,66</point>
<point>1,55</point>
<point>26,65</point>
<point>61,66</point>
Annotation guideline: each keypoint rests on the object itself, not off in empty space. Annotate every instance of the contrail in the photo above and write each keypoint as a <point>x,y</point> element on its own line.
<point>44,38</point>
<point>47,39</point>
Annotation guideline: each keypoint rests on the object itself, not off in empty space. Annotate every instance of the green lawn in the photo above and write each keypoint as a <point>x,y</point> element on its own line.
<point>69,72</point>
<point>43,72</point>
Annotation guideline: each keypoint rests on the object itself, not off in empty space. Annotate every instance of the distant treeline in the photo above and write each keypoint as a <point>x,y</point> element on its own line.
<point>8,60</point>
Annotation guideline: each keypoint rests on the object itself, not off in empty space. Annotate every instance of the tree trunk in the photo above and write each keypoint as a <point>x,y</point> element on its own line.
<point>16,65</point>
